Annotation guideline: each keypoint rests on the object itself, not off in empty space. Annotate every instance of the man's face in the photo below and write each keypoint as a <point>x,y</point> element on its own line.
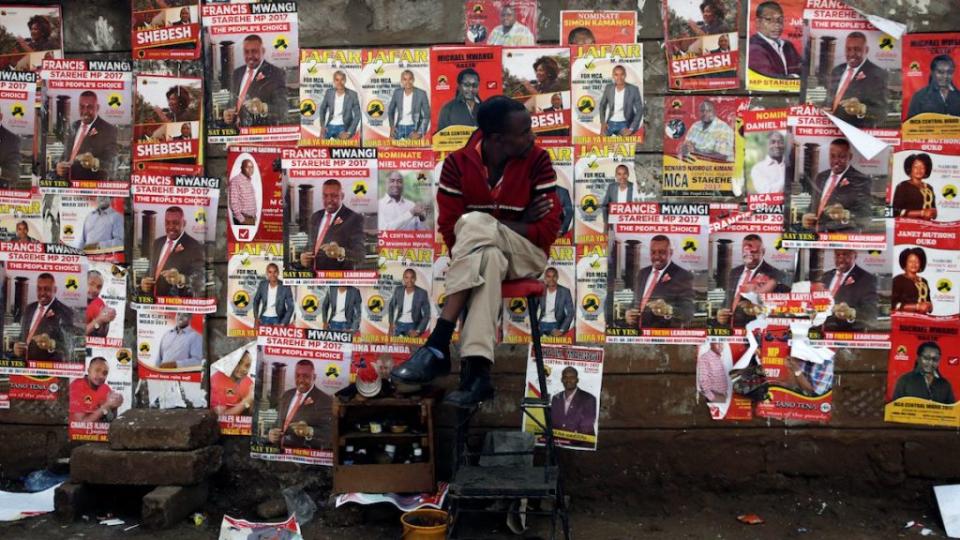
<point>660,254</point>
<point>556,102</point>
<point>716,347</point>
<point>943,75</point>
<point>550,278</point>
<point>272,275</point>
<point>583,38</point>
<point>303,377</point>
<point>409,279</point>
<point>776,146</point>
<point>94,286</point>
<point>46,290</point>
<point>183,320</point>
<point>173,224</point>
<point>243,367</point>
<point>569,380</point>
<point>469,86</point>
<point>839,158</point>
<point>395,185</point>
<point>103,202</point>
<point>332,197</point>
<point>508,17</point>
<point>622,175</point>
<point>22,231</point>
<point>770,23</point>
<point>97,373</point>
<point>518,138</point>
<point>252,53</point>
<point>384,366</point>
<point>619,76</point>
<point>707,112</point>
<point>856,51</point>
<point>185,131</point>
<point>844,259</point>
<point>929,360</point>
<point>723,42</point>
<point>406,80</point>
<point>247,168</point>
<point>339,81</point>
<point>89,107</point>
<point>753,251</point>
<point>185,15</point>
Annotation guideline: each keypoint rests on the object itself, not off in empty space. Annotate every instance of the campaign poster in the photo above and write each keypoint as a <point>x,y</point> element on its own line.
<point>167,121</point>
<point>174,220</point>
<point>926,270</point>
<point>699,145</point>
<point>106,304</point>
<point>763,156</point>
<point>231,389</point>
<point>926,185</point>
<point>574,381</point>
<point>101,394</point>
<point>34,34</point>
<point>583,27</point>
<point>852,69</point>
<point>330,216</point>
<point>330,108</point>
<point>657,275</point>
<point>252,54</point>
<point>93,224</point>
<point>837,198</point>
<point>395,96</point>
<point>461,77</point>
<point>240,529</point>
<point>299,371</point>
<point>931,101</point>
<point>405,281</point>
<point>923,373</point>
<point>170,346</point>
<point>34,388</point>
<point>164,30</point>
<point>719,365</point>
<point>747,259</point>
<point>801,386</point>
<point>562,159</point>
<point>22,221</point>
<point>169,393</point>
<point>603,175</point>
<point>18,124</point>
<point>607,87</point>
<point>45,293</point>
<point>254,196</point>
<point>405,212</point>
<point>702,46</point>
<point>255,289</point>
<point>87,128</point>
<point>555,313</point>
<point>539,78</point>
<point>438,292</point>
<point>591,293</point>
<point>508,23</point>
<point>775,45</point>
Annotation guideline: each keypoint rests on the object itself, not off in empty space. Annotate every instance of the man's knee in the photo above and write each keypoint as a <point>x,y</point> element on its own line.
<point>474,221</point>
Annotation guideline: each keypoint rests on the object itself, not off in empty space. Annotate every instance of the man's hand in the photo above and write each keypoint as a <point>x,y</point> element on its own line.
<point>301,429</point>
<point>343,135</point>
<point>174,277</point>
<point>393,133</point>
<point>274,435</point>
<point>419,210</point>
<point>632,317</point>
<point>248,401</point>
<point>413,333</point>
<point>19,349</point>
<point>415,134</point>
<point>556,332</point>
<point>171,364</point>
<point>62,168</point>
<point>603,128</point>
<point>114,400</point>
<point>844,312</point>
<point>147,284</point>
<point>809,221</point>
<point>306,259</point>
<point>105,316</point>
<point>537,210</point>
<point>626,132</point>
<point>723,315</point>
<point>837,212</point>
<point>334,251</point>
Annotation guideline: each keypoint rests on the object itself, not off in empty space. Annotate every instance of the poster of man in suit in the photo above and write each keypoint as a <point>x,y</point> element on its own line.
<point>253,77</point>
<point>574,380</point>
<point>248,279</point>
<point>330,221</point>
<point>330,108</point>
<point>88,133</point>
<point>774,45</point>
<point>171,359</point>
<point>17,122</point>
<point>853,279</point>
<point>598,173</point>
<point>405,282</point>
<point>609,108</point>
<point>395,97</point>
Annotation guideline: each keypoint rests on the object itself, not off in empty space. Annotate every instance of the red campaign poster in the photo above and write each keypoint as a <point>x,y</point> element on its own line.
<point>923,374</point>
<point>773,27</point>
<point>763,151</point>
<point>799,389</point>
<point>28,388</point>
<point>166,122</point>
<point>510,23</point>
<point>702,46</point>
<point>34,34</point>
<point>699,146</point>
<point>254,196</point>
<point>163,30</point>
<point>539,77</point>
<point>461,77</point>
<point>931,100</point>
<point>718,363</point>
<point>589,27</point>
<point>18,93</point>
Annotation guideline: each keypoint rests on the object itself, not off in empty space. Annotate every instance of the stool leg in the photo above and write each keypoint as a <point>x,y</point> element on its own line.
<point>533,304</point>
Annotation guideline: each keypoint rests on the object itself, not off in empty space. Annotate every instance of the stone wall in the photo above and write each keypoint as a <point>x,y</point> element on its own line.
<point>652,430</point>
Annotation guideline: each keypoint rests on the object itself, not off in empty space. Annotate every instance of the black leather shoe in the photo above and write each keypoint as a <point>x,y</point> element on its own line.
<point>477,390</point>
<point>422,368</point>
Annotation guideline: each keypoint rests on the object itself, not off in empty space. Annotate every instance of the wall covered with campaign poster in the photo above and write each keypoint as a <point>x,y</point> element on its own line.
<point>702,46</point>
<point>330,108</point>
<point>395,97</point>
<point>929,62</point>
<point>607,85</point>
<point>251,53</point>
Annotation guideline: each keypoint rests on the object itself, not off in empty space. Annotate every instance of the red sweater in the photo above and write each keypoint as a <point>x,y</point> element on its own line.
<point>464,188</point>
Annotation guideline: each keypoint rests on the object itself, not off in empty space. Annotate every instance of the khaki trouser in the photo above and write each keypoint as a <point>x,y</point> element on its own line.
<point>487,253</point>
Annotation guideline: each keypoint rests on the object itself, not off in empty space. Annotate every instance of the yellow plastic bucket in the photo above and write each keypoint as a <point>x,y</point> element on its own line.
<point>425,524</point>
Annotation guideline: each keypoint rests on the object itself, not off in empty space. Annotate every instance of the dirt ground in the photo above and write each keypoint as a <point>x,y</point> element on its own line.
<point>821,515</point>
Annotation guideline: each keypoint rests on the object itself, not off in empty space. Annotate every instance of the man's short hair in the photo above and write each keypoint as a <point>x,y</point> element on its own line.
<point>332,182</point>
<point>175,210</point>
<point>254,37</point>
<point>622,166</point>
<point>340,72</point>
<point>305,363</point>
<point>244,163</point>
<point>768,5</point>
<point>570,368</point>
<point>274,266</point>
<point>577,32</point>
<point>88,94</point>
<point>551,269</point>
<point>46,275</point>
<point>406,71</point>
<point>857,35</point>
<point>752,238</point>
<point>707,103</point>
<point>24,223</point>
<point>97,359</point>
<point>411,271</point>
<point>94,273</point>
<point>942,59</point>
<point>660,238</point>
<point>464,72</point>
<point>928,345</point>
<point>841,142</point>
<point>493,114</point>
<point>621,68</point>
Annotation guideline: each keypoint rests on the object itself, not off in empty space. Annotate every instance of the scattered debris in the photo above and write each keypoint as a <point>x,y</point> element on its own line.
<point>750,519</point>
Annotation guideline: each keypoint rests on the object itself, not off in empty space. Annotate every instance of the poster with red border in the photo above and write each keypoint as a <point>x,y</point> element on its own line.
<point>487,22</point>
<point>461,77</point>
<point>702,44</point>
<point>585,27</point>
<point>700,146</point>
<point>36,34</point>
<point>926,71</point>
<point>165,33</point>
<point>539,77</point>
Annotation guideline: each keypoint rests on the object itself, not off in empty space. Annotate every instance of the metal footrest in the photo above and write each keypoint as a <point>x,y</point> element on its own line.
<point>495,482</point>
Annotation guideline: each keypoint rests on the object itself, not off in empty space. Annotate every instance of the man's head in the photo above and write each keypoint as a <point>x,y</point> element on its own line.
<point>253,51</point>
<point>183,320</point>
<point>468,84</point>
<point>246,168</point>
<point>660,251</point>
<point>40,28</point>
<point>46,288</point>
<point>770,20</point>
<point>97,372</point>
<point>776,145</point>
<point>339,80</point>
<point>570,378</point>
<point>89,106</point>
<point>242,369</point>
<point>840,155</point>
<point>103,202</point>
<point>506,126</point>
<point>580,36</point>
<point>550,277</point>
<point>186,131</point>
<point>304,375</point>
<point>716,347</point>
<point>723,42</point>
<point>856,49</point>
<point>928,357</point>
<point>185,15</point>
<point>174,222</point>
<point>708,112</point>
<point>752,250</point>
<point>619,76</point>
<point>942,68</point>
<point>844,259</point>
<point>556,101</point>
<point>23,231</point>
<point>395,185</point>
<point>508,17</point>
<point>409,279</point>
<point>384,365</point>
<point>622,175</point>
<point>273,273</point>
<point>406,79</point>
<point>332,195</point>
<point>94,284</point>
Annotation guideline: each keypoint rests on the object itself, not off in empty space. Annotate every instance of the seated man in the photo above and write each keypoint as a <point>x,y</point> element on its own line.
<point>498,214</point>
